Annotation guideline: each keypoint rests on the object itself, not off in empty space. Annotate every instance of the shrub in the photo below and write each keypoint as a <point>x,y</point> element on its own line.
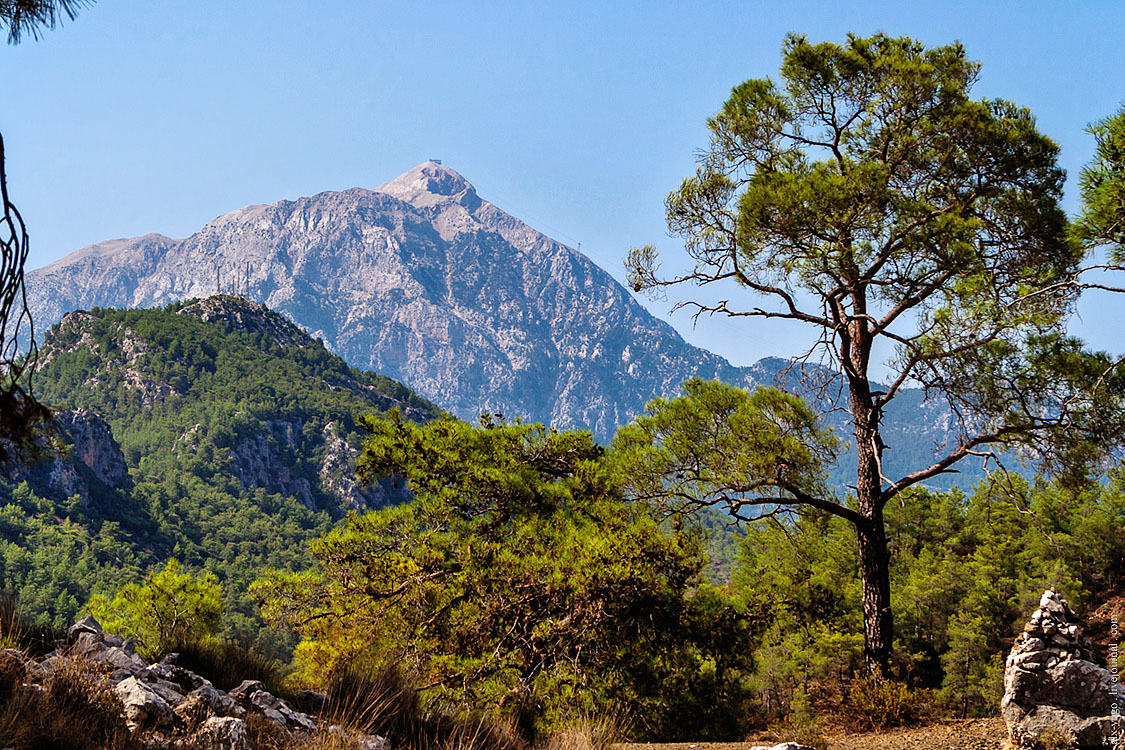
<point>885,703</point>
<point>227,663</point>
<point>170,608</point>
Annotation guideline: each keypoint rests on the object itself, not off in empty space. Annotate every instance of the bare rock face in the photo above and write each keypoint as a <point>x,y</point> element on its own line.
<point>93,445</point>
<point>1052,686</point>
<point>81,455</point>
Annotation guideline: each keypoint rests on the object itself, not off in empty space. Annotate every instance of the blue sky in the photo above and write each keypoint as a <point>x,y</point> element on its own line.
<point>145,116</point>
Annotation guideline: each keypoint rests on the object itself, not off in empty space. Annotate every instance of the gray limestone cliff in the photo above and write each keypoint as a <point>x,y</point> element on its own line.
<point>80,458</point>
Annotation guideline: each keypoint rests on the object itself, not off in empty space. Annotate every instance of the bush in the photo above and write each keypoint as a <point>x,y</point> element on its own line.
<point>885,703</point>
<point>171,608</point>
<point>227,663</point>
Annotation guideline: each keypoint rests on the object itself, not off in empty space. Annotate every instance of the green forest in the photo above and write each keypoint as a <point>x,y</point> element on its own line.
<point>216,385</point>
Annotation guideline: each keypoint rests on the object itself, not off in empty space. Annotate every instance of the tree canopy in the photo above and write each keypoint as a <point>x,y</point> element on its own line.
<point>1102,220</point>
<point>33,16</point>
<point>519,583</point>
<point>867,196</point>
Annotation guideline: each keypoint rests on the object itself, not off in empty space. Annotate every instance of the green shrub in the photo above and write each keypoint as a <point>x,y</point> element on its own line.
<point>171,608</point>
<point>885,703</point>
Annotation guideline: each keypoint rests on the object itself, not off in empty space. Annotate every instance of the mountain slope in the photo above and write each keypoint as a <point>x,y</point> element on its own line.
<point>234,441</point>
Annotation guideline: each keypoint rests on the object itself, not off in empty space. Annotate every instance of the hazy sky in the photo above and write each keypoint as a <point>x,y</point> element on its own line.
<point>145,116</point>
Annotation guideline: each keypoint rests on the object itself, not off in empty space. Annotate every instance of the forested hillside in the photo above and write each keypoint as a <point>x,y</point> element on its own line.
<point>239,434</point>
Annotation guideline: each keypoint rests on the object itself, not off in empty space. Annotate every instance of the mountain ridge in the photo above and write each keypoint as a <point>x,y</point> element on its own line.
<point>213,431</point>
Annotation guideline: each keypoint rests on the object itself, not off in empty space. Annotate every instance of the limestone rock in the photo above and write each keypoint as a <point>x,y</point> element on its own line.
<point>243,692</point>
<point>94,647</point>
<point>86,625</point>
<point>79,458</point>
<point>222,733</point>
<point>279,712</point>
<point>1051,684</point>
<point>92,443</point>
<point>218,701</point>
<point>144,707</point>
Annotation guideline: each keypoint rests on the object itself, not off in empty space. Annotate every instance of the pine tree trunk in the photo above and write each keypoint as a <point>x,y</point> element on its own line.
<point>874,556</point>
<point>875,573</point>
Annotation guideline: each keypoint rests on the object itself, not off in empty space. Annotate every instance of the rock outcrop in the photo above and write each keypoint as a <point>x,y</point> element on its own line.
<point>173,707</point>
<point>82,459</point>
<point>1053,688</point>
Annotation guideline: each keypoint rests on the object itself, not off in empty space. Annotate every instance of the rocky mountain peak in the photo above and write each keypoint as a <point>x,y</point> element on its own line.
<point>428,184</point>
<point>242,314</point>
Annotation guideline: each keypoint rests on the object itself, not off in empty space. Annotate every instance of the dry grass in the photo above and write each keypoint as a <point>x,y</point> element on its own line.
<point>586,733</point>
<point>226,664</point>
<point>386,701</point>
<point>73,709</point>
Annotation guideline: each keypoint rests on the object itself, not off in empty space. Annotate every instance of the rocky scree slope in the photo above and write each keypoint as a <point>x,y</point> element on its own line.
<point>426,282</point>
<point>164,705</point>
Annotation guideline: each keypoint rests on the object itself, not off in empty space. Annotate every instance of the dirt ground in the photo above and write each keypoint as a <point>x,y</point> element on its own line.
<point>970,734</point>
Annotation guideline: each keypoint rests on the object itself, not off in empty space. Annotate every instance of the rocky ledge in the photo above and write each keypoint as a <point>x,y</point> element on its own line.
<point>1054,690</point>
<point>172,707</point>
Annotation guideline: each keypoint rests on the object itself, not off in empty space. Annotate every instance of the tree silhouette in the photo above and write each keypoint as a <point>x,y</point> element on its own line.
<point>19,411</point>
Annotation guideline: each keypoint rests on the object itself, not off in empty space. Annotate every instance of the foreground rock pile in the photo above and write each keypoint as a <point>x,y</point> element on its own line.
<point>1054,690</point>
<point>174,707</point>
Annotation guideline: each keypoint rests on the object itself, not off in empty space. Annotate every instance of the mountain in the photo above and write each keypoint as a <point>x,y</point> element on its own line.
<point>214,431</point>
<point>424,281</point>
